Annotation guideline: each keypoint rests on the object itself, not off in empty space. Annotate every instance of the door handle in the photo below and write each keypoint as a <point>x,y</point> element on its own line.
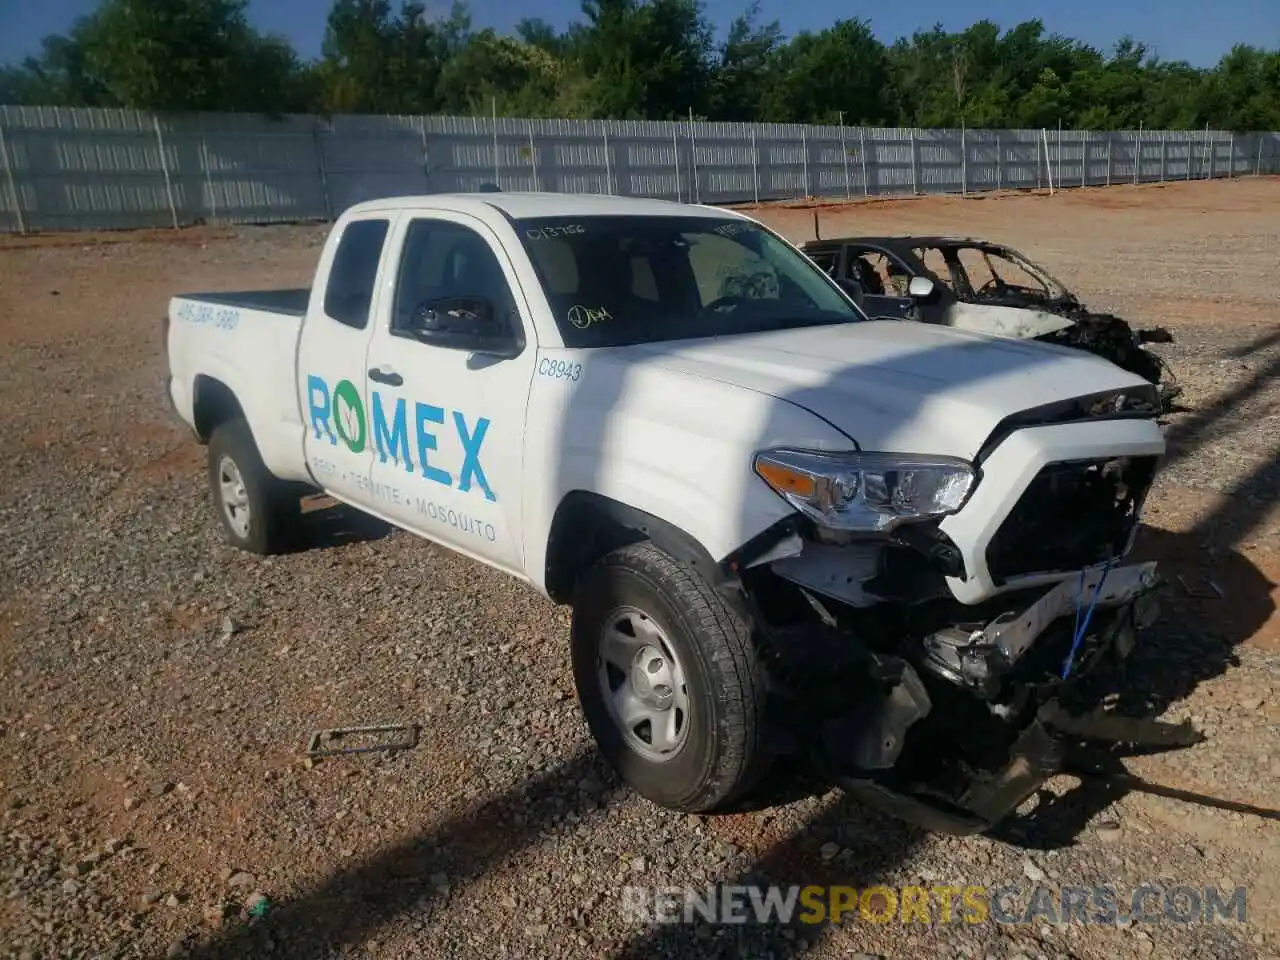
<point>383,375</point>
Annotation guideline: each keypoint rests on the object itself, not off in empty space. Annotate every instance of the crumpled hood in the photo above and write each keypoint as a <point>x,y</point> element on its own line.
<point>893,385</point>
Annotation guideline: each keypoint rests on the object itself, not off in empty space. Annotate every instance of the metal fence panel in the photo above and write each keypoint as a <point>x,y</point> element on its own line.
<point>64,168</point>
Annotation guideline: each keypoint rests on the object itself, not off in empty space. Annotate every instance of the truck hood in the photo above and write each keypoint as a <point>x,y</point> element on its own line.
<point>893,385</point>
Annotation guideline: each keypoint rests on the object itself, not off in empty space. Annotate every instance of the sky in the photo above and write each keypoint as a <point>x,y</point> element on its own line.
<point>1191,30</point>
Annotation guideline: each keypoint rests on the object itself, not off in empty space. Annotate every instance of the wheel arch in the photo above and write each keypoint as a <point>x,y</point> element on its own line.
<point>587,525</point>
<point>212,403</point>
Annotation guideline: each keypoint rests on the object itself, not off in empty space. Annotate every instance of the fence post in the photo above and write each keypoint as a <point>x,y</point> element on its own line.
<point>426,156</point>
<point>533,158</point>
<point>695,191</point>
<point>1164,153</point>
<point>862,156</point>
<point>999,164</point>
<point>755,167</point>
<point>1231,164</point>
<point>964,162</point>
<point>497,173</point>
<point>1212,150</point>
<point>17,199</point>
<point>915,180</point>
<point>1059,152</point>
<point>1137,155</point>
<point>608,163</point>
<point>1048,162</point>
<point>1257,164</point>
<point>804,152</point>
<point>675,153</point>
<point>164,166</point>
<point>844,155</point>
<point>1110,136</point>
<point>324,174</point>
<point>208,175</point>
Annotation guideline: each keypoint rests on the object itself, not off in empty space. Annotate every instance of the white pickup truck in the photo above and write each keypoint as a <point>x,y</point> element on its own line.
<point>782,526</point>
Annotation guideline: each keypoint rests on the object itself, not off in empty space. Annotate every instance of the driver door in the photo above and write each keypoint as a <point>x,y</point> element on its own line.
<point>449,375</point>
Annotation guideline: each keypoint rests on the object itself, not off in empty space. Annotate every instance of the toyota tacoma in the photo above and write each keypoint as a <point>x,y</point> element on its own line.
<point>782,527</point>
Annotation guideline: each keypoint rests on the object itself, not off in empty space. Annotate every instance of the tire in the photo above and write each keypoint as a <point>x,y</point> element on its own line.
<point>274,507</point>
<point>719,756</point>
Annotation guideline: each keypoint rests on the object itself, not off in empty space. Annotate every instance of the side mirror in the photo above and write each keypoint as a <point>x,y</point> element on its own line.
<point>444,315</point>
<point>920,288</point>
<point>464,323</point>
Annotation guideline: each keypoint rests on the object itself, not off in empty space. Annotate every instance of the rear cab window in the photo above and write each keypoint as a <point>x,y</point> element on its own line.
<point>354,271</point>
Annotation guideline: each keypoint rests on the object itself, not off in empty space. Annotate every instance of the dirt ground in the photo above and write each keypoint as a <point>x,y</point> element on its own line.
<point>159,688</point>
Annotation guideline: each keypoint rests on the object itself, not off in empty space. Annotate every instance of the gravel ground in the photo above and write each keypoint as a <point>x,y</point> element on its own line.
<point>159,688</point>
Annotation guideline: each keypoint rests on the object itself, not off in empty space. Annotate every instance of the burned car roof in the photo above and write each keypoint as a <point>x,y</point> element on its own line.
<point>958,298</point>
<point>905,240</point>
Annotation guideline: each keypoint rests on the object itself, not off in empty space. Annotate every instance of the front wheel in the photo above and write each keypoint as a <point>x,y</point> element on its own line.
<point>668,680</point>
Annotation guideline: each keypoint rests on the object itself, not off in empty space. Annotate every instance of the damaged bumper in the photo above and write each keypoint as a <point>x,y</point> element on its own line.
<point>979,658</point>
<point>915,754</point>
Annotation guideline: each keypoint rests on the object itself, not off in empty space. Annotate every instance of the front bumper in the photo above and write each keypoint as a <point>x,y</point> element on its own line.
<point>1044,750</point>
<point>1043,718</point>
<point>980,659</point>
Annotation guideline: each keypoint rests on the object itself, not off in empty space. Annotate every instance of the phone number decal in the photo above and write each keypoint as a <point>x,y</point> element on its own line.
<point>208,315</point>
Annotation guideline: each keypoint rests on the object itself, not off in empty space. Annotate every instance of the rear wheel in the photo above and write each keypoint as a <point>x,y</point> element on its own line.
<point>257,511</point>
<point>668,680</point>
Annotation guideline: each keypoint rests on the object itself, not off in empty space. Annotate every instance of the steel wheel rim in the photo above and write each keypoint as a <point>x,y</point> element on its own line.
<point>643,684</point>
<point>234,497</point>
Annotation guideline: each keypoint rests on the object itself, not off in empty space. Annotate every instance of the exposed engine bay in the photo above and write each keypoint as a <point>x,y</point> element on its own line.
<point>959,713</point>
<point>985,287</point>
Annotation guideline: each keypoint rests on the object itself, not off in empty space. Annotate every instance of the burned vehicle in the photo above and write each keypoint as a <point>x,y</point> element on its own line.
<point>987,288</point>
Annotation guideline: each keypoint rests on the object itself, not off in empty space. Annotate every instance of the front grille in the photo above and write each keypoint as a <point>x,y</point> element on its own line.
<point>1072,515</point>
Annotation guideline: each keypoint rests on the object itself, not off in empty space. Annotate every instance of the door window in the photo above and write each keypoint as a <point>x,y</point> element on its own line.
<point>451,291</point>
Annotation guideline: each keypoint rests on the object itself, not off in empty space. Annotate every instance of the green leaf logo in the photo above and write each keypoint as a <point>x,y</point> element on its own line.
<point>348,415</point>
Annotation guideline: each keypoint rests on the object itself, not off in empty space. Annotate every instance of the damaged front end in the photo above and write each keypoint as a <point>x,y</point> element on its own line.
<point>945,714</point>
<point>1103,334</point>
<point>997,277</point>
<point>1112,338</point>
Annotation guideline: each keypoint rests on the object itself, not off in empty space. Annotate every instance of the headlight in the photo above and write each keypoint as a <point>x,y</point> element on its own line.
<point>866,491</point>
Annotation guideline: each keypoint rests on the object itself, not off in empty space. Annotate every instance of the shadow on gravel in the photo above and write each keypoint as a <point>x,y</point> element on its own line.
<point>324,527</point>
<point>873,846</point>
<point>1261,342</point>
<point>351,904</point>
<point>1186,437</point>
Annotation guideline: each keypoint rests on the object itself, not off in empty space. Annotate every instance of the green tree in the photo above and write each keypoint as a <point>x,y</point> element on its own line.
<point>746,67</point>
<point>376,62</point>
<point>492,71</point>
<point>842,69</point>
<point>641,59</point>
<point>164,55</point>
<point>182,55</point>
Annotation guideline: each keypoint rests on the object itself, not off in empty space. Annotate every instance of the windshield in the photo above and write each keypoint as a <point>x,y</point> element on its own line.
<point>615,280</point>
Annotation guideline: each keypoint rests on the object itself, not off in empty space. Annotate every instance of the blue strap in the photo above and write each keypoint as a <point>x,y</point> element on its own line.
<point>1082,628</point>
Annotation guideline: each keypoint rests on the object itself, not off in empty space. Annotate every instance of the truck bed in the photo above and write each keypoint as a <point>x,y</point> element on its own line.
<point>289,302</point>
